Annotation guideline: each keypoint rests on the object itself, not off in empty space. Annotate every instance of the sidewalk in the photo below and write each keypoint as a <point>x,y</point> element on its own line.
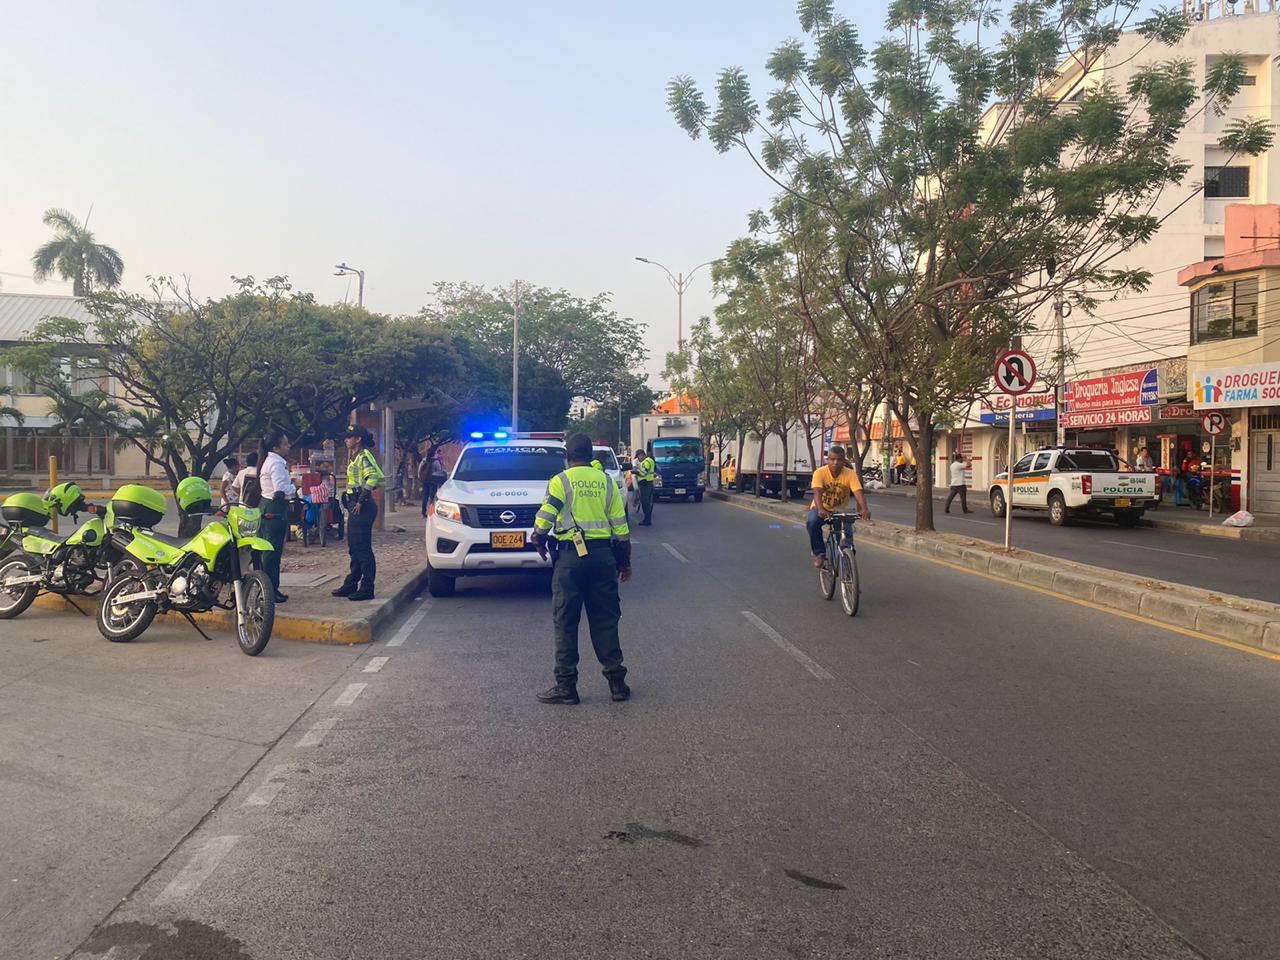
<point>1181,519</point>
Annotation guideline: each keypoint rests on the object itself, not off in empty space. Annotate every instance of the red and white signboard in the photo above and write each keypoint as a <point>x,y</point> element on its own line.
<point>1115,392</point>
<point>1215,424</point>
<point>1107,418</point>
<point>1015,372</point>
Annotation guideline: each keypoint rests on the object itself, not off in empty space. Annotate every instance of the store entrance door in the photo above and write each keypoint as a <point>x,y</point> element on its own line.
<point>1265,471</point>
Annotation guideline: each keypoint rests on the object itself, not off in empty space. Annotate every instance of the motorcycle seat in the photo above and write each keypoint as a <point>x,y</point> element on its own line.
<point>47,534</point>
<point>176,542</point>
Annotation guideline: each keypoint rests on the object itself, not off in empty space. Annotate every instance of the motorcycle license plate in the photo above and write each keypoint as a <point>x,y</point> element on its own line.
<point>678,491</point>
<point>507,541</point>
<point>1122,501</point>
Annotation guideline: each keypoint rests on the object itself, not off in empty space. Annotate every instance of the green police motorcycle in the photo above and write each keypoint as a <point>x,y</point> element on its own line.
<point>39,560</point>
<point>220,567</point>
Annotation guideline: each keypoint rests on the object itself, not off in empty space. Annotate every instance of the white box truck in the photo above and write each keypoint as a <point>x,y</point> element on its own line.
<point>797,472</point>
<point>674,440</point>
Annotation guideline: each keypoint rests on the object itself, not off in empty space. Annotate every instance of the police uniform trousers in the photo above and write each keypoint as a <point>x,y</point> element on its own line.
<point>360,547</point>
<point>590,581</point>
<point>646,500</point>
<point>275,529</point>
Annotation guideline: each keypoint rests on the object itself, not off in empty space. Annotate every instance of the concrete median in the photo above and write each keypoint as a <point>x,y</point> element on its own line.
<point>1253,623</point>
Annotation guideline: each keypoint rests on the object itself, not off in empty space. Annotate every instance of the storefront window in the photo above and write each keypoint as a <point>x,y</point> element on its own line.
<point>1225,311</point>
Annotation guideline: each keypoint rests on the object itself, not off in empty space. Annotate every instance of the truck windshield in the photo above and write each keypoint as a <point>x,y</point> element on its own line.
<point>677,451</point>
<point>1099,461</point>
<point>509,463</point>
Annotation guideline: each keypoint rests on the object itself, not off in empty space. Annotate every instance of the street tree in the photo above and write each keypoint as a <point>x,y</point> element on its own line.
<point>609,421</point>
<point>74,254</point>
<point>708,373</point>
<point>973,165</point>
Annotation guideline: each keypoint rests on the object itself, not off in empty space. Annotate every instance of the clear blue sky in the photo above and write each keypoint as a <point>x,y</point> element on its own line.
<point>421,141</point>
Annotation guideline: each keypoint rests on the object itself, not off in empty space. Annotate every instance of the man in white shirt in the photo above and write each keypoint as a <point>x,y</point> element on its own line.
<point>277,491</point>
<point>957,468</point>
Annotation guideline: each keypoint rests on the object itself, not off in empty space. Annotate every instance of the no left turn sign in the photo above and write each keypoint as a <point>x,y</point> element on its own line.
<point>1015,372</point>
<point>1215,424</point>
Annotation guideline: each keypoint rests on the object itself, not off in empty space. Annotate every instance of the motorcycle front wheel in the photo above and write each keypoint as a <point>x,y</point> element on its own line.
<point>122,622</point>
<point>259,613</point>
<point>15,599</point>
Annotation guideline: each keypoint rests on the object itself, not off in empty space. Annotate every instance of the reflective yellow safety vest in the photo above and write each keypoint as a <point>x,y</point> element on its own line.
<point>363,472</point>
<point>646,471</point>
<point>585,498</point>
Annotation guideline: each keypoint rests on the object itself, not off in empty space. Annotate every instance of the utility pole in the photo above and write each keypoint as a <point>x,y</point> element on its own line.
<point>1061,311</point>
<point>342,270</point>
<point>515,363</point>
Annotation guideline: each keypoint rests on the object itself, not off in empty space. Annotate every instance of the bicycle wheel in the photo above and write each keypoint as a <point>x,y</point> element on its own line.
<point>850,593</point>
<point>827,576</point>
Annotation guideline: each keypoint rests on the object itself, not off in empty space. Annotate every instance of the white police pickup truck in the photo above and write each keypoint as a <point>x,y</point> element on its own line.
<point>1075,481</point>
<point>483,515</point>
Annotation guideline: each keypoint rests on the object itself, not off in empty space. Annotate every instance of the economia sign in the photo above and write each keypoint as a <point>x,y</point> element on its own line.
<point>1256,385</point>
<point>1119,391</point>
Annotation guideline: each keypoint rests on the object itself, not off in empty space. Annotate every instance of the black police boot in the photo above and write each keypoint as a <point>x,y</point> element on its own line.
<point>346,590</point>
<point>365,593</point>
<point>618,689</point>
<point>560,693</point>
<point>281,597</point>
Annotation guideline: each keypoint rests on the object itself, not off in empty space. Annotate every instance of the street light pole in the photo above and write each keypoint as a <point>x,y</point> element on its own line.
<point>679,283</point>
<point>342,270</point>
<point>515,363</point>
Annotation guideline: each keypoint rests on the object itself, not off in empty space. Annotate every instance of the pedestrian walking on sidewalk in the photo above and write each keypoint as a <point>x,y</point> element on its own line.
<point>646,473</point>
<point>959,463</point>
<point>363,477</point>
<point>232,467</point>
<point>277,491</point>
<point>584,519</point>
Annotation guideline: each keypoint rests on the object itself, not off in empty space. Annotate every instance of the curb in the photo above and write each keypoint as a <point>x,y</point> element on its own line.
<point>1149,519</point>
<point>1238,620</point>
<point>328,630</point>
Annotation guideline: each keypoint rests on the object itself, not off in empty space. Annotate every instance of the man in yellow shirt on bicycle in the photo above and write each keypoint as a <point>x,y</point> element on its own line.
<point>833,485</point>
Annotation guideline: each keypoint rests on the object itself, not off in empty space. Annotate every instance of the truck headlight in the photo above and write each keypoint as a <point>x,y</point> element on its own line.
<point>449,510</point>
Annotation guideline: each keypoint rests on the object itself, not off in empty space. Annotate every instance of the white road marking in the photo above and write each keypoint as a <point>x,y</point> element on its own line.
<point>817,669</point>
<point>315,736</point>
<point>676,553</point>
<point>913,663</point>
<point>126,951</point>
<point>348,696</point>
<point>375,664</point>
<point>411,624</point>
<point>1179,553</point>
<point>198,870</point>
<point>267,791</point>
<point>985,523</point>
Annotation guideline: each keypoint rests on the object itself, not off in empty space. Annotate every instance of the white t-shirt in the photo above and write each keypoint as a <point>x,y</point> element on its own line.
<point>957,469</point>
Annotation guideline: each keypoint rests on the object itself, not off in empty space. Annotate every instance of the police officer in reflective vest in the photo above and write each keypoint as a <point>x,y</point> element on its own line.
<point>585,515</point>
<point>363,477</point>
<point>646,471</point>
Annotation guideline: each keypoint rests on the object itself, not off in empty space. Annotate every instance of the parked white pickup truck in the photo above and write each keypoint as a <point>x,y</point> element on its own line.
<point>1081,481</point>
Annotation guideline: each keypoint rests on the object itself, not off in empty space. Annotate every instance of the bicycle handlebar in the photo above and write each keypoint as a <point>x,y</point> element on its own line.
<point>843,515</point>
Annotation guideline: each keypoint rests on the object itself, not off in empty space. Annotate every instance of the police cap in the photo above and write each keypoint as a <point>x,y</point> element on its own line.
<point>359,432</point>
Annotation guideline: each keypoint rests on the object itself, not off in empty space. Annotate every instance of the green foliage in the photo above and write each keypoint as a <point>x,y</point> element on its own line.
<point>924,186</point>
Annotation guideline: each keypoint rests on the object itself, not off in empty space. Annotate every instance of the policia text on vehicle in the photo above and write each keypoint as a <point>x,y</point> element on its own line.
<point>584,519</point>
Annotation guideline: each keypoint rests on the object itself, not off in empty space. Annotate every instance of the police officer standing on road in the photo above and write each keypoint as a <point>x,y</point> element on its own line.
<point>585,514</point>
<point>363,477</point>
<point>646,471</point>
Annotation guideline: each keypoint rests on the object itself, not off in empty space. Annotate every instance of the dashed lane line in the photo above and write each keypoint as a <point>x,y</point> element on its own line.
<point>198,869</point>
<point>348,696</point>
<point>1176,553</point>
<point>126,951</point>
<point>375,664</point>
<point>806,661</point>
<point>267,791</point>
<point>315,736</point>
<point>676,553</point>
<point>410,625</point>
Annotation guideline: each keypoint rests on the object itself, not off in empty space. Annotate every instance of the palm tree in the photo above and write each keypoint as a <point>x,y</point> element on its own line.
<point>74,255</point>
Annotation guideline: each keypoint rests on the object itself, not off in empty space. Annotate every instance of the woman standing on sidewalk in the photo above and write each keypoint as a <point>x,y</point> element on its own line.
<point>277,491</point>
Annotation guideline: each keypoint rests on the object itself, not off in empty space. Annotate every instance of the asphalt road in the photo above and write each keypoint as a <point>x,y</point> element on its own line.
<point>966,769</point>
<point>1245,568</point>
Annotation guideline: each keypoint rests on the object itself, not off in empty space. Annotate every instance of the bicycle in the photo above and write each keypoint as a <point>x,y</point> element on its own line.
<point>840,565</point>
